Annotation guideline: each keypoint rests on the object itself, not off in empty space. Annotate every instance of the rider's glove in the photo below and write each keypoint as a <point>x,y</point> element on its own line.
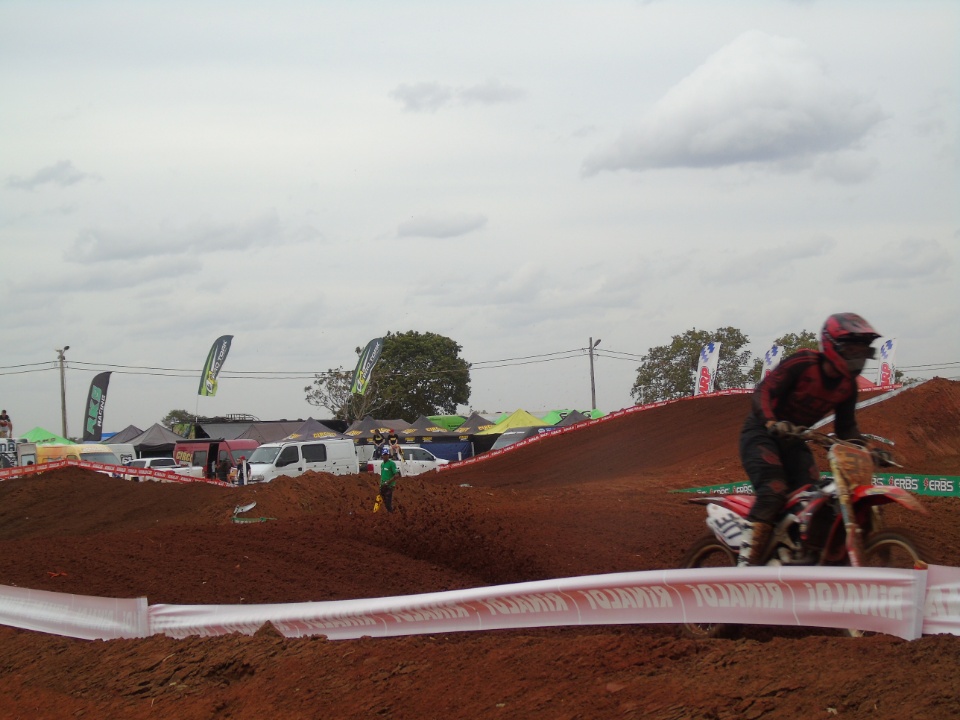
<point>784,429</point>
<point>881,458</point>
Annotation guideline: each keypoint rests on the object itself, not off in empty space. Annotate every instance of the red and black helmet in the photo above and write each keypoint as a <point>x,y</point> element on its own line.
<point>845,340</point>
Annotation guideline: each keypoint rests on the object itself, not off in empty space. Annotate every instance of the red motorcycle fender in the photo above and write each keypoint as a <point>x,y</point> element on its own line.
<point>880,494</point>
<point>740,504</point>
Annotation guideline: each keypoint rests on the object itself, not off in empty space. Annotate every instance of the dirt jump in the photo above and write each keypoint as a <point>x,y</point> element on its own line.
<point>593,501</point>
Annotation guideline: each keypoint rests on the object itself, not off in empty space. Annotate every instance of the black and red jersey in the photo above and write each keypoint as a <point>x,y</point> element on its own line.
<point>798,391</point>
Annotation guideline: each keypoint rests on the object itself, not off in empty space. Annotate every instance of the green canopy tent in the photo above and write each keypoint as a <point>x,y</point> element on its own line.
<point>44,437</point>
<point>556,417</point>
<point>518,418</point>
<point>449,422</point>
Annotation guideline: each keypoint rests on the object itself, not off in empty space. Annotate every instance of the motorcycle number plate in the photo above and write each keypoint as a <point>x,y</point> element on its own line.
<point>725,524</point>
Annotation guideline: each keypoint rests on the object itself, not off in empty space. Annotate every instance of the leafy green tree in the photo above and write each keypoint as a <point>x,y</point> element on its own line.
<point>789,343</point>
<point>177,417</point>
<point>669,371</point>
<point>417,374</point>
<point>331,390</point>
<point>421,374</point>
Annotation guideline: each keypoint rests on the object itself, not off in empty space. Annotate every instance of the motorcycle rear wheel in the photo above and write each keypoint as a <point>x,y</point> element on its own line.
<point>890,549</point>
<point>708,552</point>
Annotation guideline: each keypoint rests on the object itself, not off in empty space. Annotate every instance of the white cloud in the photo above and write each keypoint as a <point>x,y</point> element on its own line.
<point>62,173</point>
<point>760,99</point>
<point>432,96</point>
<point>902,261</point>
<point>441,226</point>
<point>96,245</point>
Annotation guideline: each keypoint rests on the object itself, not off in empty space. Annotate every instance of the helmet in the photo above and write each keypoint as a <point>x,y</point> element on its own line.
<point>845,341</point>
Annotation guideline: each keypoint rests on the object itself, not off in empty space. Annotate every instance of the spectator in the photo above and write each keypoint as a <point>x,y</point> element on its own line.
<point>6,425</point>
<point>243,471</point>
<point>377,444</point>
<point>388,479</point>
<point>394,446</point>
<point>223,470</point>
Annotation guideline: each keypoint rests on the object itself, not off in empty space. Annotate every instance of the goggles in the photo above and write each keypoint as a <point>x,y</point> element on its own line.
<point>857,351</point>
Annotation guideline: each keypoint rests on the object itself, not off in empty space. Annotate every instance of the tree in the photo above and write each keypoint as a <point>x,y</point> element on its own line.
<point>669,371</point>
<point>177,417</point>
<point>331,390</point>
<point>789,344</point>
<point>417,374</point>
<point>421,374</point>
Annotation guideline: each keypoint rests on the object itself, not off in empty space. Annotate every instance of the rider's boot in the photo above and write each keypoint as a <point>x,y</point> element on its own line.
<point>753,543</point>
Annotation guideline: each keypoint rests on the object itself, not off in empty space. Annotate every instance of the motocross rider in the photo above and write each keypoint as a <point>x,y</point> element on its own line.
<point>806,387</point>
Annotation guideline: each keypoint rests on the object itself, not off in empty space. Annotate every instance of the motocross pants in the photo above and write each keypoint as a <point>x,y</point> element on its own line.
<point>775,467</point>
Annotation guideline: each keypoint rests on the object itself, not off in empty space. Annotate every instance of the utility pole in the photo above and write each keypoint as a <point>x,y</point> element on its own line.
<point>63,389</point>
<point>593,384</point>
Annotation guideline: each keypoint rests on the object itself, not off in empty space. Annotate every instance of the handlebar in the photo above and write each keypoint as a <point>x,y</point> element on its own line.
<point>881,458</point>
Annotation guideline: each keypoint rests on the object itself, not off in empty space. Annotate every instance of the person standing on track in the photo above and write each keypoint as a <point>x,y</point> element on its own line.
<point>805,388</point>
<point>388,479</point>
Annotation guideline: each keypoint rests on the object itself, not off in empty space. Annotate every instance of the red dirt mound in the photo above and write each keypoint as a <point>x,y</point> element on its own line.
<point>592,501</point>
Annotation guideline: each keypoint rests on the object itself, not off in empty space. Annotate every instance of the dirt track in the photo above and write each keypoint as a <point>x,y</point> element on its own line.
<point>590,502</point>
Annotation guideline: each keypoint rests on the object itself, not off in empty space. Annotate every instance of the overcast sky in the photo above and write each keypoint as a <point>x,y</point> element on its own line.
<point>517,176</point>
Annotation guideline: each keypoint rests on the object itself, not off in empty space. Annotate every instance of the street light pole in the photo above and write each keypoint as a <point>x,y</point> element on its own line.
<point>593,384</point>
<point>63,388</point>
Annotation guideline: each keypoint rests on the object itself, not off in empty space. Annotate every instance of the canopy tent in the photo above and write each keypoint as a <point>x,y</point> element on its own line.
<point>155,441</point>
<point>44,437</point>
<point>362,431</point>
<point>518,418</point>
<point>473,424</point>
<point>573,418</point>
<point>268,432</point>
<point>424,430</point>
<point>124,436</point>
<point>311,429</point>
<point>450,422</point>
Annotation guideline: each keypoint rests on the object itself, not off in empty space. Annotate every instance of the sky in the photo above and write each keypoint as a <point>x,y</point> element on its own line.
<point>521,177</point>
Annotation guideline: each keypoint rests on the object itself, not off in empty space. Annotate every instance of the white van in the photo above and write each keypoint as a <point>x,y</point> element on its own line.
<point>292,458</point>
<point>125,451</point>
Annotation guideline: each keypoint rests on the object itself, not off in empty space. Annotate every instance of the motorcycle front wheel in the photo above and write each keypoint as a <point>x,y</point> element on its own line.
<point>890,549</point>
<point>708,552</point>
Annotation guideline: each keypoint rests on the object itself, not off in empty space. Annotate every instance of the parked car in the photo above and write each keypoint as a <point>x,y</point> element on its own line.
<point>416,460</point>
<point>167,464</point>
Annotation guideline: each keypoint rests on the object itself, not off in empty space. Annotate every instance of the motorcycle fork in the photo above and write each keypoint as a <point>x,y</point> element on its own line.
<point>847,463</point>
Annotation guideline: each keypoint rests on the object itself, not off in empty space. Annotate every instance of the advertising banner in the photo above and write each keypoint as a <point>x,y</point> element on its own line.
<point>707,369</point>
<point>771,358</point>
<point>364,369</point>
<point>886,373</point>
<point>211,369</point>
<point>93,410</point>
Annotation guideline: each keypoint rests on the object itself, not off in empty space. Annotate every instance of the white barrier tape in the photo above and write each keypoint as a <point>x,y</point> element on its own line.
<point>115,470</point>
<point>893,601</point>
<point>77,616</point>
<point>883,600</point>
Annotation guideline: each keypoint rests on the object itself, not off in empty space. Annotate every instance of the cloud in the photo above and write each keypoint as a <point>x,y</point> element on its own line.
<point>904,260</point>
<point>765,265</point>
<point>441,226</point>
<point>760,99</point>
<point>432,96</point>
<point>95,245</point>
<point>62,173</point>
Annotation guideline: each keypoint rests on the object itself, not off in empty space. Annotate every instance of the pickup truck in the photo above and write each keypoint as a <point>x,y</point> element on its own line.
<point>167,464</point>
<point>416,460</point>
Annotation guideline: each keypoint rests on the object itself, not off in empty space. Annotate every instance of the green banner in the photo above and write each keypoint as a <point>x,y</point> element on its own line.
<point>933,485</point>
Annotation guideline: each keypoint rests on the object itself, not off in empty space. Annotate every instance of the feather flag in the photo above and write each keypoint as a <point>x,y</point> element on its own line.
<point>216,356</point>
<point>364,369</point>
<point>93,410</point>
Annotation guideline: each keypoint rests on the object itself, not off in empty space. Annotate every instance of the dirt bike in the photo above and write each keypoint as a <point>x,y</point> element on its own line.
<point>834,522</point>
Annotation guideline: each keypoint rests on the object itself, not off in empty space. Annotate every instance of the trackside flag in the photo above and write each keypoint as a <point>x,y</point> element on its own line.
<point>887,372</point>
<point>707,368</point>
<point>368,358</point>
<point>771,359</point>
<point>93,410</point>
<point>215,358</point>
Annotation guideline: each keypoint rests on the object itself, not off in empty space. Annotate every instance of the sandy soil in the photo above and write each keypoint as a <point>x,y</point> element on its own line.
<point>589,502</point>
